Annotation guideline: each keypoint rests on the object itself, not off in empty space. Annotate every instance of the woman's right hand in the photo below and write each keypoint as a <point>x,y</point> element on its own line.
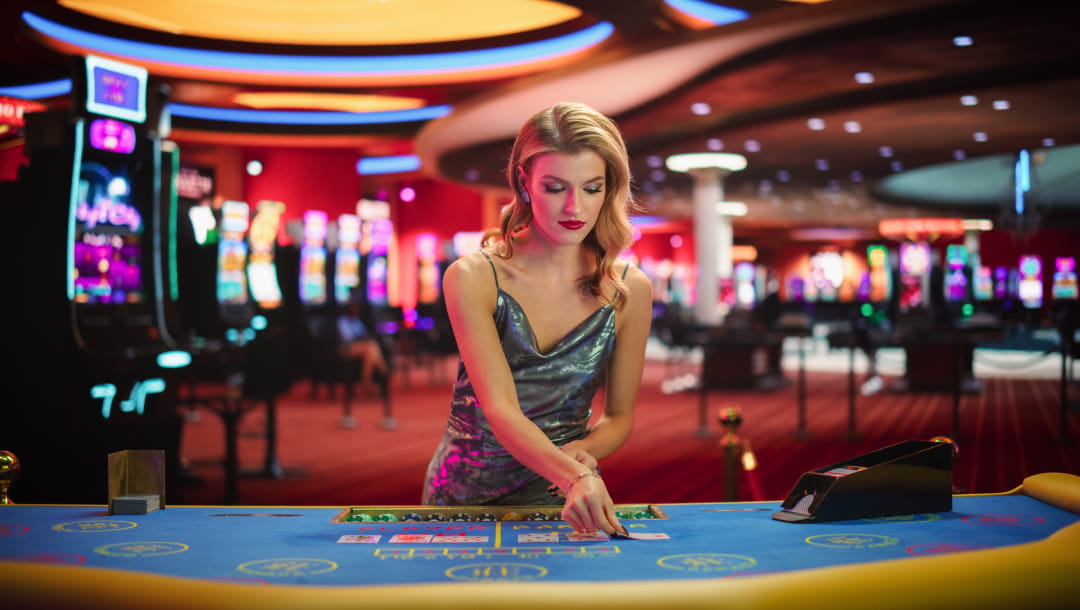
<point>589,507</point>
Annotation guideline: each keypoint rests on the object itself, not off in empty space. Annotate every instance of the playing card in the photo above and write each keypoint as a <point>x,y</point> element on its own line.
<point>593,537</point>
<point>459,538</point>
<point>359,539</point>
<point>541,537</point>
<point>410,538</point>
<point>647,536</point>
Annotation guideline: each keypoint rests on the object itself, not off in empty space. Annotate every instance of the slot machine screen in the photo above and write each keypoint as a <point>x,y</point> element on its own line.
<point>347,257</point>
<point>261,269</point>
<point>956,258</point>
<point>108,248</point>
<point>313,259</point>
<point>232,254</point>
<point>984,284</point>
<point>1030,287</point>
<point>877,257</point>
<point>1064,286</point>
<point>427,274</point>
<point>378,263</point>
<point>914,266</point>
<point>115,89</point>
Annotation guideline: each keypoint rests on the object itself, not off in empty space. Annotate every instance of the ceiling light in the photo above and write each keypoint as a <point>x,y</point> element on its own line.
<point>301,117</point>
<point>731,208</point>
<point>658,175</point>
<point>715,144</point>
<point>885,151</point>
<point>688,161</point>
<point>980,136</point>
<point>856,176</point>
<point>969,100</point>
<point>852,126</point>
<point>864,78</point>
<point>1001,104</point>
<point>700,108</point>
<point>815,124</point>
<point>387,165</point>
<point>959,155</point>
<point>821,164</point>
<point>343,102</point>
<point>1048,142</point>
<point>413,68</point>
<point>962,41</point>
<point>38,91</point>
<point>752,146</point>
<point>783,175</point>
<point>654,161</point>
<point>333,22</point>
<point>711,14</point>
<point>254,168</point>
<point>897,166</point>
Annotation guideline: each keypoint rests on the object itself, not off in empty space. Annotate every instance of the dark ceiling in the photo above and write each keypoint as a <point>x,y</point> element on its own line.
<point>904,144</point>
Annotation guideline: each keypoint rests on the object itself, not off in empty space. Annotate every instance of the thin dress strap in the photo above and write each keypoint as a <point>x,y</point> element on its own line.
<point>624,270</point>
<point>493,272</point>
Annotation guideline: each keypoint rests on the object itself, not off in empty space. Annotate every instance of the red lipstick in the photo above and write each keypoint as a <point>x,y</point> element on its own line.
<point>573,225</point>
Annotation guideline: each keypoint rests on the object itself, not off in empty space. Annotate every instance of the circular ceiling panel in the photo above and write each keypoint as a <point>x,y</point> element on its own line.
<point>332,22</point>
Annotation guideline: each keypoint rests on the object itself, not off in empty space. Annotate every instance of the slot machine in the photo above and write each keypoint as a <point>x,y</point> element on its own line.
<point>234,301</point>
<point>956,284</point>
<point>914,275</point>
<point>1064,285</point>
<point>745,292</point>
<point>262,274</point>
<point>347,258</point>
<point>97,372</point>
<point>1030,285</point>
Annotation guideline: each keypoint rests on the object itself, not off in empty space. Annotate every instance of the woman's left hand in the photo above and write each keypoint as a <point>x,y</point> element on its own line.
<point>583,457</point>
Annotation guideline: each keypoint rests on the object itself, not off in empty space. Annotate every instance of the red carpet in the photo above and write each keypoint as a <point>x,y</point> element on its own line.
<point>1010,430</point>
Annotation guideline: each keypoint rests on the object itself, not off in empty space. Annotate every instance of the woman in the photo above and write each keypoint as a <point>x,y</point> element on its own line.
<point>543,315</point>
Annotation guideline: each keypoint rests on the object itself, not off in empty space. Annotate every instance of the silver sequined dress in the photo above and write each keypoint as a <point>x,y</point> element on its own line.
<point>555,391</point>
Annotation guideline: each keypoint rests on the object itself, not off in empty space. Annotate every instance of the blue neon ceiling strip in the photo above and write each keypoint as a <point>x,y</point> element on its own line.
<point>37,91</point>
<point>425,63</point>
<point>387,165</point>
<point>311,117</point>
<point>715,14</point>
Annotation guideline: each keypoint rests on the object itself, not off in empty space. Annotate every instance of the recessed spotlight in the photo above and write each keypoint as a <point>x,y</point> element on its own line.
<point>856,176</point>
<point>715,144</point>
<point>864,78</point>
<point>783,175</point>
<point>254,168</point>
<point>885,151</point>
<point>472,175</point>
<point>980,136</point>
<point>1048,142</point>
<point>700,108</point>
<point>959,155</point>
<point>962,41</point>
<point>897,166</point>
<point>852,126</point>
<point>969,100</point>
<point>752,146</point>
<point>654,161</point>
<point>822,164</point>
<point>657,175</point>
<point>815,124</point>
<point>1001,104</point>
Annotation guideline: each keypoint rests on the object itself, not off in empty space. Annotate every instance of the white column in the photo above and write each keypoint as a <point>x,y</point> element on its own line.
<point>712,239</point>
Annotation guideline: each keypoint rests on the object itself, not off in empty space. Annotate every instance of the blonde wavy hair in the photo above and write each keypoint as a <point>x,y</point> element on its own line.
<point>571,128</point>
